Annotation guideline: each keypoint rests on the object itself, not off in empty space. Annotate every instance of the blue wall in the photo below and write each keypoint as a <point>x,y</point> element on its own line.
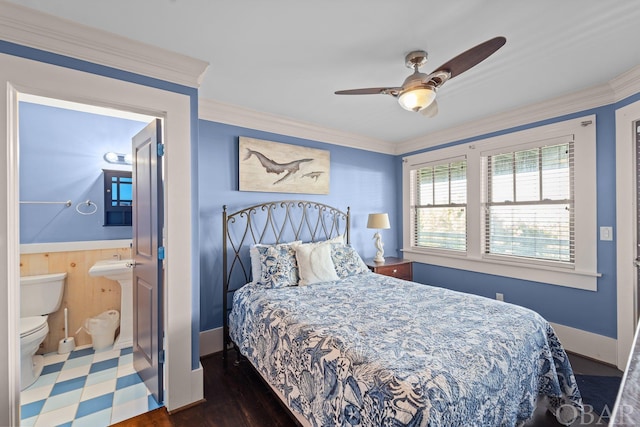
<point>61,158</point>
<point>362,180</point>
<point>587,310</point>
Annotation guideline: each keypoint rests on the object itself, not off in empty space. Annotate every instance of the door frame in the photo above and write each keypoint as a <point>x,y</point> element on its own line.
<point>183,385</point>
<point>626,224</point>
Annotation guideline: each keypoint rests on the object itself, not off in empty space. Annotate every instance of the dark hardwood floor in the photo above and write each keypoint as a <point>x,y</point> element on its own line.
<point>238,397</point>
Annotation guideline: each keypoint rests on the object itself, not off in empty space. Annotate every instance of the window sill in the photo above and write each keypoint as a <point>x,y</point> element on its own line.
<point>559,276</point>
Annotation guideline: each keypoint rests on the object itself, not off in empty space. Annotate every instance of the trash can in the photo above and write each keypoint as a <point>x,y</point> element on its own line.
<point>102,328</point>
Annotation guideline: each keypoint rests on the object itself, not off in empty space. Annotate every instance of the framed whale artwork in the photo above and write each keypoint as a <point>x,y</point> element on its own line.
<point>282,168</point>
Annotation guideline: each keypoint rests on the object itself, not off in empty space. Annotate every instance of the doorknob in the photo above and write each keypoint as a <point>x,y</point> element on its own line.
<point>636,262</point>
<point>131,264</point>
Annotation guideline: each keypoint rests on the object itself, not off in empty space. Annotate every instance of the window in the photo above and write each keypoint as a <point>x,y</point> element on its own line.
<point>118,197</point>
<point>529,210</point>
<point>520,205</point>
<point>439,207</point>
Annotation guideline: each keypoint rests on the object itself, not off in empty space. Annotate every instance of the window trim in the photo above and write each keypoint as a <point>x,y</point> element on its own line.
<point>583,273</point>
<point>487,203</point>
<point>414,206</point>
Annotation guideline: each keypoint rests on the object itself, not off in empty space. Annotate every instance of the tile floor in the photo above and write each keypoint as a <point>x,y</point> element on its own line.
<point>85,388</point>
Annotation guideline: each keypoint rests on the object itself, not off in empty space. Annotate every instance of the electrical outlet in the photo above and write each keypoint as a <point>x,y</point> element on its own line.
<point>499,296</point>
<point>606,233</point>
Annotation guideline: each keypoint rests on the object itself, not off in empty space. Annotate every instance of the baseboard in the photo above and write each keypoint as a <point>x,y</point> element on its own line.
<point>588,344</point>
<point>210,341</point>
<point>184,408</point>
<point>197,384</point>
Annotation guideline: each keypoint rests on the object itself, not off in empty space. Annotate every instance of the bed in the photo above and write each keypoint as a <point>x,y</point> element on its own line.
<point>349,347</point>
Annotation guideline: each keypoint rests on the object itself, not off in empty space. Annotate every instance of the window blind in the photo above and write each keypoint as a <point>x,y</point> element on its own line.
<point>529,210</point>
<point>439,207</point>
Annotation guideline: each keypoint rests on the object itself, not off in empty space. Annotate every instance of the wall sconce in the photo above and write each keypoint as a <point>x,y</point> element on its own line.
<point>378,221</point>
<point>118,158</point>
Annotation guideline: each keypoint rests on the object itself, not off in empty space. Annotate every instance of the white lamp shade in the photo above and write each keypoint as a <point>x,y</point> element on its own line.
<point>417,99</point>
<point>379,221</point>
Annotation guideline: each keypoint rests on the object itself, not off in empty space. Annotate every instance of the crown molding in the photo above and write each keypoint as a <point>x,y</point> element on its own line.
<point>239,116</point>
<point>31,28</point>
<point>590,98</point>
<point>626,84</point>
<point>621,87</point>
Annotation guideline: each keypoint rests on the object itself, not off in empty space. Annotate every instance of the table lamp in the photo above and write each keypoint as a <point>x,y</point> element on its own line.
<point>378,221</point>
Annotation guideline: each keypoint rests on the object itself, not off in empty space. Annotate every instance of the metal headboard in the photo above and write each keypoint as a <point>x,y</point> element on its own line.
<point>270,223</point>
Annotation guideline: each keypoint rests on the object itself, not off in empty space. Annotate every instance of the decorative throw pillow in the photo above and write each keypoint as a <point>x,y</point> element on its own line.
<point>347,261</point>
<point>314,263</point>
<point>274,266</point>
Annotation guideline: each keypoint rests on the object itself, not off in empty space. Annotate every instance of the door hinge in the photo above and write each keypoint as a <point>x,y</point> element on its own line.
<point>160,150</point>
<point>161,356</point>
<point>161,252</point>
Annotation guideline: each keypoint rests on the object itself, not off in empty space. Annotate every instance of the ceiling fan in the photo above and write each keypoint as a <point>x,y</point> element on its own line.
<point>418,91</point>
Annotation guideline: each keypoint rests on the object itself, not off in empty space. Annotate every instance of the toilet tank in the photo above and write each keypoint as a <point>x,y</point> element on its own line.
<point>41,294</point>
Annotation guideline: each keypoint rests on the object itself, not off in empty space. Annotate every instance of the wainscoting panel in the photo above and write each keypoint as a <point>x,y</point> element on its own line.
<point>84,296</point>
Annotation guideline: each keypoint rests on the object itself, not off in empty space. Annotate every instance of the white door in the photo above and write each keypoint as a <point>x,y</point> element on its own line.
<point>148,351</point>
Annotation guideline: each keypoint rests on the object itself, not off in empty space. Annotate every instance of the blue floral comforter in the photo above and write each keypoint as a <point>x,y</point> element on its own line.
<point>371,350</point>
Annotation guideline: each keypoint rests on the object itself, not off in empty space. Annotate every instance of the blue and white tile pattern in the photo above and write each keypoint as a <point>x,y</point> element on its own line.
<point>86,388</point>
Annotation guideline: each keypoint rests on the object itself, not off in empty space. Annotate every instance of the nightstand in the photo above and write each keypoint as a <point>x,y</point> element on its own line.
<point>394,267</point>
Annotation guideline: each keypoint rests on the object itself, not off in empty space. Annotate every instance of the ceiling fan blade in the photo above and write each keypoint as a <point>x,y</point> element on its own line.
<point>472,57</point>
<point>370,91</point>
<point>431,110</point>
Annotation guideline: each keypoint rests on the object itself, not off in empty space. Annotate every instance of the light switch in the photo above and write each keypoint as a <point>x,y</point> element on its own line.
<point>606,233</point>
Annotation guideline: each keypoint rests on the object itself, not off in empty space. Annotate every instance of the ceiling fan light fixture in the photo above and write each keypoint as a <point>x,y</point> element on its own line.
<point>418,92</point>
<point>417,99</point>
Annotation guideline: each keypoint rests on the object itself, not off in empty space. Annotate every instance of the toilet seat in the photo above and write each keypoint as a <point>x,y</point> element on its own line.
<point>32,325</point>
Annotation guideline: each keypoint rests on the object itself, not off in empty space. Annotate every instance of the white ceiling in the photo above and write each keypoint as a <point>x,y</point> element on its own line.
<point>287,57</point>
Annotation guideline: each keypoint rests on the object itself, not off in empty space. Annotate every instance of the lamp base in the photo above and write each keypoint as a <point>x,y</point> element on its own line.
<point>378,259</point>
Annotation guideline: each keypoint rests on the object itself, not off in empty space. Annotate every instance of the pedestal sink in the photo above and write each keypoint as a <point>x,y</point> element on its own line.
<point>120,271</point>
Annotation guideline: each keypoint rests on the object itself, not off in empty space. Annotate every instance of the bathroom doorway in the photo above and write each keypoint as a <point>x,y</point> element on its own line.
<point>67,154</point>
<point>183,384</point>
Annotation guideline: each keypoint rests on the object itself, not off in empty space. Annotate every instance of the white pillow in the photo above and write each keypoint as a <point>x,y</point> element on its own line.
<point>314,263</point>
<point>337,239</point>
<point>255,263</point>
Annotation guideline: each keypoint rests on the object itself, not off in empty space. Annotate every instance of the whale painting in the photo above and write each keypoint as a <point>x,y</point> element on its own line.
<point>282,168</point>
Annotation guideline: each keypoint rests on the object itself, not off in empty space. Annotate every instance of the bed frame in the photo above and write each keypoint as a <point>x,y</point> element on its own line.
<point>289,220</point>
<point>271,223</point>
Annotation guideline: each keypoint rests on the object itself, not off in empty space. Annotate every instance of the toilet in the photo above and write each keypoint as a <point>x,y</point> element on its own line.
<point>39,296</point>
